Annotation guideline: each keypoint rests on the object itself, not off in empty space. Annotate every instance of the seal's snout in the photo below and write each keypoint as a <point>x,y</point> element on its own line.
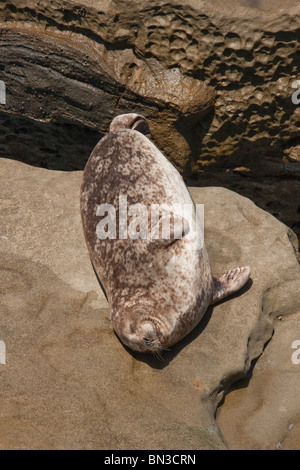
<point>148,333</point>
<point>143,334</point>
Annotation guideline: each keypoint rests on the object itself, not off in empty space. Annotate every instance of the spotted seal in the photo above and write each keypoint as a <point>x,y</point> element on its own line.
<point>158,288</point>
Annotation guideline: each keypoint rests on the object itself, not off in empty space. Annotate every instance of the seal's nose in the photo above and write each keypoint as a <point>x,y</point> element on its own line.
<point>147,330</point>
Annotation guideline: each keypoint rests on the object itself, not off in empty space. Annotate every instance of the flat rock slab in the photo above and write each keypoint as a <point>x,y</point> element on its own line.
<point>68,383</point>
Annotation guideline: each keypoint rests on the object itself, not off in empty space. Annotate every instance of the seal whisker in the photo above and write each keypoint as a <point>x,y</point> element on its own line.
<point>158,355</point>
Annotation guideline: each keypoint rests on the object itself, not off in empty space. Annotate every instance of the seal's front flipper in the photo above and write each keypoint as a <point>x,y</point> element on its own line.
<point>167,230</point>
<point>229,283</point>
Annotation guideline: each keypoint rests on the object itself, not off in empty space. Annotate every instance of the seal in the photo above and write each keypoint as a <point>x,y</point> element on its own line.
<point>156,275</point>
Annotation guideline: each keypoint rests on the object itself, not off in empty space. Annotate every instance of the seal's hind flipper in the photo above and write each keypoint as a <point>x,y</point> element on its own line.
<point>229,283</point>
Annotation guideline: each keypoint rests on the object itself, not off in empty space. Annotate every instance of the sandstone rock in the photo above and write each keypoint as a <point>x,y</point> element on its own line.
<point>214,80</point>
<point>86,61</point>
<point>292,154</point>
<point>87,74</point>
<point>263,413</point>
<point>68,383</point>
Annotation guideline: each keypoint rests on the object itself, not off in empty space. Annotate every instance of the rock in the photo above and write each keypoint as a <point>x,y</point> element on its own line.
<point>214,81</point>
<point>68,383</point>
<point>263,413</point>
<point>292,154</point>
<point>174,61</point>
<point>77,69</point>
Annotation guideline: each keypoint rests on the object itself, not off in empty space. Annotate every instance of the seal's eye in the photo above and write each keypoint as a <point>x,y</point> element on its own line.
<point>131,328</point>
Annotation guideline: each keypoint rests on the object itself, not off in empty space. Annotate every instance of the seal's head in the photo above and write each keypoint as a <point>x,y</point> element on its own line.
<point>140,330</point>
<point>133,121</point>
